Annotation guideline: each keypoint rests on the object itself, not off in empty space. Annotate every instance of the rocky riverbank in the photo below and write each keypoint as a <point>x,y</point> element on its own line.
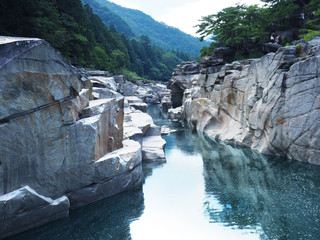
<point>269,104</point>
<point>69,135</point>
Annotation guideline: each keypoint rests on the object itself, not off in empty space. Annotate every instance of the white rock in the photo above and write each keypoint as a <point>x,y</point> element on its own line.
<point>271,105</point>
<point>107,82</point>
<point>24,209</point>
<point>165,130</point>
<point>153,149</point>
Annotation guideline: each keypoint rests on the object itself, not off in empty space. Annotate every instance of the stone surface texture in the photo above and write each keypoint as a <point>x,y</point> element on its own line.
<point>56,137</point>
<point>270,104</point>
<point>140,127</point>
<point>35,210</point>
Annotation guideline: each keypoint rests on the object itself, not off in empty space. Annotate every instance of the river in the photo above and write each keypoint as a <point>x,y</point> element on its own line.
<point>206,190</point>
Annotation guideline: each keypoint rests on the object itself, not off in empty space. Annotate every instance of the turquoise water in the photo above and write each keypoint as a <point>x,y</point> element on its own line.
<point>206,190</point>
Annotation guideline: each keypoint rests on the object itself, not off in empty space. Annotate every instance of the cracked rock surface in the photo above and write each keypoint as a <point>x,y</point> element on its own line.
<point>56,137</point>
<point>270,104</point>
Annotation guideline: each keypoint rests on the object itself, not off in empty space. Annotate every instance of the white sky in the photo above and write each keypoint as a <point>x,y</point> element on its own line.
<point>182,14</point>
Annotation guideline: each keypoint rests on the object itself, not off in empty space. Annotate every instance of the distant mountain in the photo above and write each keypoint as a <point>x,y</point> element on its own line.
<point>110,18</point>
<point>143,24</point>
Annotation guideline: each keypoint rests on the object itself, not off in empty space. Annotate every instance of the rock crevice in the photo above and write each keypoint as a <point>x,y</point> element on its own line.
<point>269,104</point>
<point>62,136</point>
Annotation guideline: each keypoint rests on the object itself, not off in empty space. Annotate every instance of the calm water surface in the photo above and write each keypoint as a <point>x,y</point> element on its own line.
<point>206,190</point>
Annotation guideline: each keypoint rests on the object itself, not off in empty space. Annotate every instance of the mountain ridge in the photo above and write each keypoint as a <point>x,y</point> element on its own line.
<point>161,34</point>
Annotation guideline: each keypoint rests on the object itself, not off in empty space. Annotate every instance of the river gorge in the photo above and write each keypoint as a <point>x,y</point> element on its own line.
<point>206,190</point>
<point>87,155</point>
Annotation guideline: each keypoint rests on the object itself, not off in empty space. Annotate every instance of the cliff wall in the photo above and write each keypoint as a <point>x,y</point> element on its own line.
<point>270,104</point>
<point>56,140</point>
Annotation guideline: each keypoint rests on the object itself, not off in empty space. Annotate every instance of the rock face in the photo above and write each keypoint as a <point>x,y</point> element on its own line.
<point>270,104</point>
<point>140,127</point>
<point>151,93</point>
<point>54,137</point>
<point>182,78</point>
<point>35,211</point>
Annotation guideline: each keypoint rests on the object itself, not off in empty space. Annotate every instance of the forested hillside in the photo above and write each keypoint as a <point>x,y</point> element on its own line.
<point>245,29</point>
<point>143,24</point>
<point>82,37</point>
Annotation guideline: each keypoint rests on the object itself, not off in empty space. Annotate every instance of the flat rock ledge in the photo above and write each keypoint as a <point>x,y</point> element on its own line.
<point>124,165</point>
<point>24,209</point>
<point>140,127</point>
<point>153,149</point>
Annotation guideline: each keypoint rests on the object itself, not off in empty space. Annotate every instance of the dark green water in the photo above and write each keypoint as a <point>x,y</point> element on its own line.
<point>206,190</point>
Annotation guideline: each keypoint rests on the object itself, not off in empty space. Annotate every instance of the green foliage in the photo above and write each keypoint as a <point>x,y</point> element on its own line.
<point>245,28</point>
<point>283,15</point>
<point>238,27</point>
<point>110,18</point>
<point>142,24</point>
<point>298,50</point>
<point>131,76</point>
<point>206,51</point>
<point>82,37</point>
<point>312,25</point>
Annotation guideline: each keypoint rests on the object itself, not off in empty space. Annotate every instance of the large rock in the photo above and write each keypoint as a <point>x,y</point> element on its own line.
<point>24,209</point>
<point>269,104</point>
<point>153,149</point>
<point>175,113</point>
<point>137,103</point>
<point>104,82</point>
<point>125,171</point>
<point>140,127</point>
<point>129,89</point>
<point>101,93</point>
<point>54,138</point>
<point>181,81</point>
<point>27,79</point>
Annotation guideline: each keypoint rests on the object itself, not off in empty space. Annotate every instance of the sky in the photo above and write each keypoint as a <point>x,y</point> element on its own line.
<point>182,14</point>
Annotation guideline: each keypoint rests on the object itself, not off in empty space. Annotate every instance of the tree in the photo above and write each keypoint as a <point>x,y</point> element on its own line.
<point>82,37</point>
<point>238,27</point>
<point>312,25</point>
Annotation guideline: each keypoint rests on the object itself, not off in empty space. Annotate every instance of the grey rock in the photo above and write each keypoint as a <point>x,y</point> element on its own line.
<point>124,165</point>
<point>140,106</point>
<point>269,104</point>
<point>153,130</point>
<point>101,93</point>
<point>166,102</point>
<point>139,126</point>
<point>140,120</point>
<point>270,47</point>
<point>175,113</point>
<point>104,82</point>
<point>97,73</point>
<point>27,80</point>
<point>314,42</point>
<point>165,130</point>
<point>153,149</point>
<point>133,99</point>
<point>54,137</point>
<point>24,209</point>
<point>129,89</point>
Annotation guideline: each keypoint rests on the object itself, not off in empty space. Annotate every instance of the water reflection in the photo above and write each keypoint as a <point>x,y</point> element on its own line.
<point>279,195</point>
<point>107,219</point>
<point>206,190</point>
